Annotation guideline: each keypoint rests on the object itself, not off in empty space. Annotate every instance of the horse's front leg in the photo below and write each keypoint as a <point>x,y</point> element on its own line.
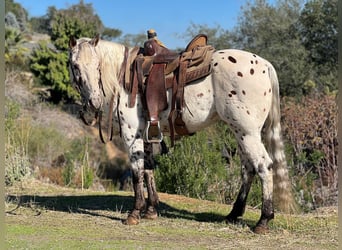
<point>152,199</point>
<point>137,162</point>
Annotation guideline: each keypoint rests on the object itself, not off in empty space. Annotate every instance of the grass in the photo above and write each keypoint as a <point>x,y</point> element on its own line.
<point>51,217</point>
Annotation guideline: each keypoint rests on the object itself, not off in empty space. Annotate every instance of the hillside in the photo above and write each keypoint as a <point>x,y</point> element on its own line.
<point>45,216</point>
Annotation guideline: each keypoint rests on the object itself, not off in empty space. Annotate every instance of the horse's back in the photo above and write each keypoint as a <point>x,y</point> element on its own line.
<point>243,87</point>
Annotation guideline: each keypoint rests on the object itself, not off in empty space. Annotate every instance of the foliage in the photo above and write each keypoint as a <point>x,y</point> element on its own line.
<point>50,67</point>
<point>310,127</point>
<point>270,32</point>
<point>193,169</point>
<point>19,12</point>
<point>15,54</point>
<point>217,36</point>
<point>17,165</point>
<point>205,165</point>
<point>317,23</point>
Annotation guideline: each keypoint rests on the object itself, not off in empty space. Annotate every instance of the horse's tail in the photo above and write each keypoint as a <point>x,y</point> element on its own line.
<point>283,196</point>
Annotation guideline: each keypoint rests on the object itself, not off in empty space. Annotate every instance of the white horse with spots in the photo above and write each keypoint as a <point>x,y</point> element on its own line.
<point>242,90</point>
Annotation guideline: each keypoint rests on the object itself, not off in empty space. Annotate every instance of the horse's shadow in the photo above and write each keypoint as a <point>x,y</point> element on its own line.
<point>94,204</point>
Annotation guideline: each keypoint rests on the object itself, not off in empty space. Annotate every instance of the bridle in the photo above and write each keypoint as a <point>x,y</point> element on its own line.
<point>98,113</point>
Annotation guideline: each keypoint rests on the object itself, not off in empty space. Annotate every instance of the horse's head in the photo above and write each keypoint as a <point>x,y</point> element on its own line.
<point>85,73</point>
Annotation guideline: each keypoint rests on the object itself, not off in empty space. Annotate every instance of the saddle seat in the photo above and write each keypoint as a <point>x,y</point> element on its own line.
<point>156,69</point>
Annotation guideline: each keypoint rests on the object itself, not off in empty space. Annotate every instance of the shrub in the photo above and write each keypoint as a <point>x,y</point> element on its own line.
<point>310,129</point>
<point>193,168</point>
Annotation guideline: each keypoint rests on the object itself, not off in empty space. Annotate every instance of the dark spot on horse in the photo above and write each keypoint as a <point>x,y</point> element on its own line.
<point>256,61</point>
<point>129,126</point>
<point>239,74</point>
<point>248,112</point>
<point>230,95</point>
<point>264,110</point>
<point>265,93</point>
<point>243,134</point>
<point>126,105</point>
<point>137,136</point>
<point>221,52</point>
<point>243,92</point>
<point>269,90</point>
<point>252,62</point>
<point>233,92</point>
<point>251,71</point>
<point>263,71</point>
<point>254,55</point>
<point>241,138</point>
<point>215,64</point>
<point>121,112</point>
<point>232,59</point>
<point>200,95</point>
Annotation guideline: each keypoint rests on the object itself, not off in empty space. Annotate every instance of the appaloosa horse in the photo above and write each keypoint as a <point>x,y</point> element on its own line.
<point>242,91</point>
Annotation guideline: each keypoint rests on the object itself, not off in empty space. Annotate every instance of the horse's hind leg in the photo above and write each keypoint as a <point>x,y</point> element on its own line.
<point>253,149</point>
<point>247,176</point>
<point>152,199</point>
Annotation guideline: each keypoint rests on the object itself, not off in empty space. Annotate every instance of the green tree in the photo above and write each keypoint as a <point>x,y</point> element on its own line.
<point>318,28</point>
<point>217,36</point>
<point>49,65</point>
<point>270,31</point>
<point>51,68</point>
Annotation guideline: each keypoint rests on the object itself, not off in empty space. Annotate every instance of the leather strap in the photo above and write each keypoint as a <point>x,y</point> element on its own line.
<point>111,104</point>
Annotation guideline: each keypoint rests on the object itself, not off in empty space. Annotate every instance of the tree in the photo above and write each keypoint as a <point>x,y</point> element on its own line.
<point>318,28</point>
<point>50,66</point>
<point>217,36</point>
<point>19,12</point>
<point>270,31</point>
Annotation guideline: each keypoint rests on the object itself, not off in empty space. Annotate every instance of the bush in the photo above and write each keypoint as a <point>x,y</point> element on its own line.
<point>310,129</point>
<point>193,168</point>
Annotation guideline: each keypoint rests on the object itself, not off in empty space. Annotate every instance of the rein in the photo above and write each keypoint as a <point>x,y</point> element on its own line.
<point>111,104</point>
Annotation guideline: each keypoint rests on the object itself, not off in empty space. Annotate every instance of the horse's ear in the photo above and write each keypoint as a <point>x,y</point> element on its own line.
<point>72,42</point>
<point>95,40</point>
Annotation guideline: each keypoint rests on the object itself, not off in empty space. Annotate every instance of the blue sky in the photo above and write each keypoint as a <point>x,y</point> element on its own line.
<point>168,18</point>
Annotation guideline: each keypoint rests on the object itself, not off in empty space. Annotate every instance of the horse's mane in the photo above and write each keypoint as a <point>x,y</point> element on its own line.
<point>111,55</point>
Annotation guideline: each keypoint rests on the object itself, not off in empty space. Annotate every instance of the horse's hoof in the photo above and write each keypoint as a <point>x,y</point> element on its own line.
<point>231,220</point>
<point>150,215</point>
<point>261,229</point>
<point>131,221</point>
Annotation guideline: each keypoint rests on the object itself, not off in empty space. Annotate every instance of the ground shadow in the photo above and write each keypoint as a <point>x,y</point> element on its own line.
<point>91,204</point>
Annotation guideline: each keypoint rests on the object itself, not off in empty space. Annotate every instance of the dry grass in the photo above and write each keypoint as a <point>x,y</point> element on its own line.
<point>51,217</point>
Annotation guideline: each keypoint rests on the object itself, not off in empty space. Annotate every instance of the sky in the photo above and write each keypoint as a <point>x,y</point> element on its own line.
<point>168,18</point>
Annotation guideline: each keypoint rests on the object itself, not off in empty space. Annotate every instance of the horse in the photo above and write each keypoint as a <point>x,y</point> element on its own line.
<point>242,90</point>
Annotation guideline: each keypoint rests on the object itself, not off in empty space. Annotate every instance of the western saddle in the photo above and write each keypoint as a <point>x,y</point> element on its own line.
<point>154,69</point>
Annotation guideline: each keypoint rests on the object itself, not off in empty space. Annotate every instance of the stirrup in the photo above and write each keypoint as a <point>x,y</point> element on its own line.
<point>155,138</point>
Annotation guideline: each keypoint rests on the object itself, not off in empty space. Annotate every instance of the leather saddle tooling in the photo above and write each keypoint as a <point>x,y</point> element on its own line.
<point>156,69</point>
